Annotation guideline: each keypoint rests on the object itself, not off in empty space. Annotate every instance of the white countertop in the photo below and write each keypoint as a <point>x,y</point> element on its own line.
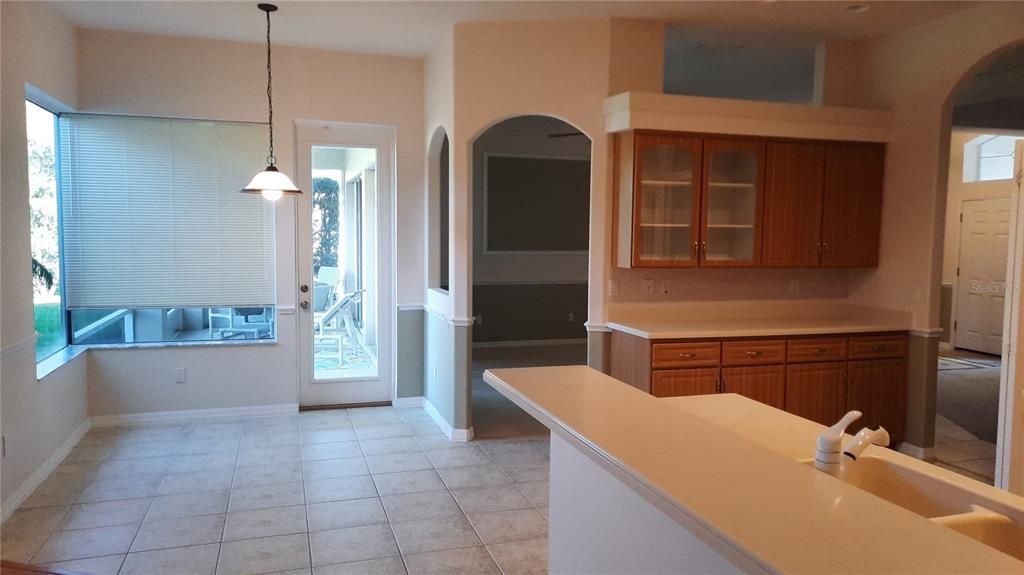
<point>760,502</point>
<point>753,327</point>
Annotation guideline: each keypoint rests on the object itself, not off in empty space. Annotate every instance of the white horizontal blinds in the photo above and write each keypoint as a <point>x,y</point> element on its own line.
<point>153,217</point>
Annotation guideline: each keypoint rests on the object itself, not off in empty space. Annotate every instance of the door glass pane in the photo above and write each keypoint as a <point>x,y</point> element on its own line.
<point>732,205</point>
<point>344,293</point>
<point>666,203</point>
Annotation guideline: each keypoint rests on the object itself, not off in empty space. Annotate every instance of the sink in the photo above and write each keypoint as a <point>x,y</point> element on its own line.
<point>944,503</point>
<point>918,492</point>
<point>993,529</point>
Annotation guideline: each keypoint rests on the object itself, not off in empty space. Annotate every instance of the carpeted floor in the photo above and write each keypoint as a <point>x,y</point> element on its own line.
<point>968,392</point>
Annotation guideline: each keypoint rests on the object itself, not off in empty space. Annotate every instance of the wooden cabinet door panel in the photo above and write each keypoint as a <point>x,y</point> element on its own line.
<point>666,200</point>
<point>816,391</point>
<point>732,201</point>
<point>794,191</point>
<point>852,213</point>
<point>677,382</point>
<point>878,389</point>
<point>766,383</point>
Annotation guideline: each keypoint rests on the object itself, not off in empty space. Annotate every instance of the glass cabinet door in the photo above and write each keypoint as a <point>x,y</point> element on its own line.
<point>666,193</point>
<point>733,181</point>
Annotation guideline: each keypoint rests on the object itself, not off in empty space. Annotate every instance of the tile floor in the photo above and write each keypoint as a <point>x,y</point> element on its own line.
<point>958,450</point>
<point>370,490</point>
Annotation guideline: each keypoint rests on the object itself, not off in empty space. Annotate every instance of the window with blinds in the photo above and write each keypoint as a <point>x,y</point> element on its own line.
<point>152,216</point>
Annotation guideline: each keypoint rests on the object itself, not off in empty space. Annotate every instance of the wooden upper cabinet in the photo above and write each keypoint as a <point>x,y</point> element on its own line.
<point>852,213</point>
<point>731,202</point>
<point>794,191</point>
<point>660,215</point>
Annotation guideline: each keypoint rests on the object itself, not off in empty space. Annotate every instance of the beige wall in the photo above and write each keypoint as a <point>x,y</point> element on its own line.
<point>145,74</point>
<point>913,73</point>
<point>38,48</point>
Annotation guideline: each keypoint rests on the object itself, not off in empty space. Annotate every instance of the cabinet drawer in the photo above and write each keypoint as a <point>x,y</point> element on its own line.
<point>754,352</point>
<point>697,354</point>
<point>878,346</point>
<point>816,349</point>
<point>679,382</point>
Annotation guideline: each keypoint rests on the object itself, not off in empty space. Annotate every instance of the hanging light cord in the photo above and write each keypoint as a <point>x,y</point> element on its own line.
<point>271,160</point>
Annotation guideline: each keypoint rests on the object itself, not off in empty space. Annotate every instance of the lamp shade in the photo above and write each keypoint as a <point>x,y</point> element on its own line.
<point>272,184</point>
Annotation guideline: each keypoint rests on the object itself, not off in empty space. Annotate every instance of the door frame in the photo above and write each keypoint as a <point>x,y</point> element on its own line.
<point>1010,429</point>
<point>360,390</point>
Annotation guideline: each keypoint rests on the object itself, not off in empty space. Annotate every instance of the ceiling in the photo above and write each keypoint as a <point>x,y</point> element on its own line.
<point>413,28</point>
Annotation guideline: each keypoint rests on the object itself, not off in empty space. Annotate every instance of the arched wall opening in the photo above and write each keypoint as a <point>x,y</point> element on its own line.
<point>976,421</point>
<point>530,185</point>
<point>439,220</point>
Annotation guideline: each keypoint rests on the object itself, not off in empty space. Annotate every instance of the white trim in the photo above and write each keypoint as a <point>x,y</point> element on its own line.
<point>411,307</point>
<point>27,341</point>
<point>922,453</point>
<point>931,333</point>
<point>529,342</point>
<point>192,414</point>
<point>446,428</point>
<point>405,402</point>
<point>285,310</point>
<point>461,321</point>
<point>1010,431</point>
<point>436,312</point>
<point>43,471</point>
<point>598,326</point>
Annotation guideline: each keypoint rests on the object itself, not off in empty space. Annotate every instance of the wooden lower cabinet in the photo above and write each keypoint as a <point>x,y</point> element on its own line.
<point>677,382</point>
<point>878,389</point>
<point>764,383</point>
<point>816,391</point>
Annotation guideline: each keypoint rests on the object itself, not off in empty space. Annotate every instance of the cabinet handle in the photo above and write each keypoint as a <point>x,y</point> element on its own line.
<point>720,385</point>
<point>687,355</point>
<point>693,250</point>
<point>704,249</point>
<point>753,354</point>
<point>818,350</point>
<point>877,348</point>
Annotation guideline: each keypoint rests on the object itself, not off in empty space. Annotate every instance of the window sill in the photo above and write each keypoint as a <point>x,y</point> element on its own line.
<point>69,353</point>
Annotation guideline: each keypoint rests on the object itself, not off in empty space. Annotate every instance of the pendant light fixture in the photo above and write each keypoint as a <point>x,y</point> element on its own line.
<point>271,183</point>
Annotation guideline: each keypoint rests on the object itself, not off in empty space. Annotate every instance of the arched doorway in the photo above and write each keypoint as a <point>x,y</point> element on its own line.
<point>975,379</point>
<point>531,197</point>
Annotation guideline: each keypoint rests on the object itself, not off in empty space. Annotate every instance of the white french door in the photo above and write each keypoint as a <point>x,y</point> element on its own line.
<point>345,243</point>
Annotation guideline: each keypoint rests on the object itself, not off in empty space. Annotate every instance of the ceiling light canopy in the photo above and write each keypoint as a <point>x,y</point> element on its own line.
<point>271,183</point>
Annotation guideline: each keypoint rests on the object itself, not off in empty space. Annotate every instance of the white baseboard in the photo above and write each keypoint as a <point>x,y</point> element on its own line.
<point>43,471</point>
<point>528,343</point>
<point>922,453</point>
<point>448,430</point>
<point>404,402</point>
<point>190,414</point>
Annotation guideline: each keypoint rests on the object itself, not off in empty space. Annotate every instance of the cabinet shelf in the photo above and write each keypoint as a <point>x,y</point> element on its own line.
<point>731,226</point>
<point>670,183</point>
<point>732,185</point>
<point>653,225</point>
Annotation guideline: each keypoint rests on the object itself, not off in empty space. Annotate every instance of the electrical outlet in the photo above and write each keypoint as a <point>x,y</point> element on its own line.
<point>613,287</point>
<point>572,316</point>
<point>664,287</point>
<point>180,375</point>
<point>794,287</point>
<point>479,320</point>
<point>649,287</point>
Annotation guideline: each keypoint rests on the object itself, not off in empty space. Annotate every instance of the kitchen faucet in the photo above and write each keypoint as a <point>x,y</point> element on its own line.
<point>828,456</point>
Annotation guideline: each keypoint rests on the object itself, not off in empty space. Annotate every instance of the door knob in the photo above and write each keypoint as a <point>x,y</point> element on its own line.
<point>304,304</point>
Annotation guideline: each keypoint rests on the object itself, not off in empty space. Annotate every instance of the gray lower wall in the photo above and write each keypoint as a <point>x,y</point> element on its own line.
<point>946,312</point>
<point>523,312</point>
<point>922,379</point>
<point>410,352</point>
<point>598,345</point>
<point>446,379</point>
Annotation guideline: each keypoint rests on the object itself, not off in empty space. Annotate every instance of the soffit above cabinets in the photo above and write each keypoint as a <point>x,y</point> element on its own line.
<point>653,111</point>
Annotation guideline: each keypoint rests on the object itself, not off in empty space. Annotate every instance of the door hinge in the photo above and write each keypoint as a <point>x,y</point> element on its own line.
<point>957,271</point>
<point>961,216</point>
<point>955,323</point>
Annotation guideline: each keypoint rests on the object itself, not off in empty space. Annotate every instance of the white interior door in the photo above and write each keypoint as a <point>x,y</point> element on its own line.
<point>345,243</point>
<point>981,285</point>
